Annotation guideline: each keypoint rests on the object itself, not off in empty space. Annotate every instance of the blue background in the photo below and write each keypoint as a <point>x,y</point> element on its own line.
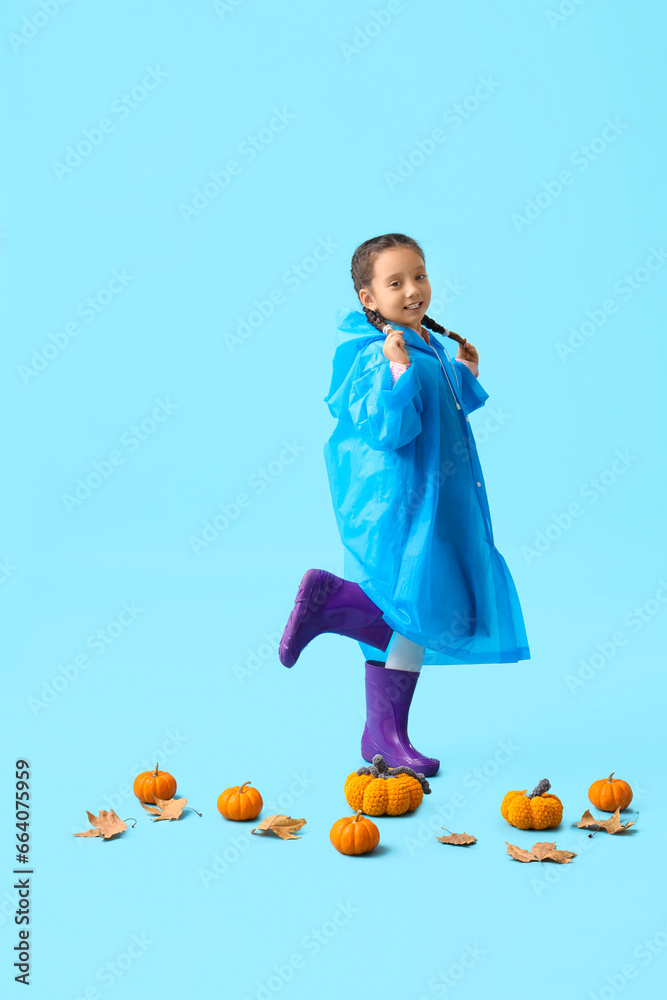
<point>192,677</point>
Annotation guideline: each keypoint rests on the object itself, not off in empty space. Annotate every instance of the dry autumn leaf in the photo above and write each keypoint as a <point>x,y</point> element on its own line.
<point>457,838</point>
<point>283,826</point>
<point>168,808</point>
<point>543,850</point>
<point>106,825</point>
<point>611,825</point>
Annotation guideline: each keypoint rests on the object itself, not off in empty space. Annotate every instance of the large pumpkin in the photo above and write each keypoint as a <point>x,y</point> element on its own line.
<point>240,802</point>
<point>150,785</point>
<point>354,834</point>
<point>536,811</point>
<point>610,794</point>
<point>380,790</point>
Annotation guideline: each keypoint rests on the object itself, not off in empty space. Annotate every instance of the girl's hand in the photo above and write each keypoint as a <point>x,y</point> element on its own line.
<point>467,352</point>
<point>394,348</point>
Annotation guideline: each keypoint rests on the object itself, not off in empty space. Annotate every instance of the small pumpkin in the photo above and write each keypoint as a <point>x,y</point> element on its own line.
<point>536,811</point>
<point>354,834</point>
<point>150,785</point>
<point>380,790</point>
<point>610,794</point>
<point>240,802</point>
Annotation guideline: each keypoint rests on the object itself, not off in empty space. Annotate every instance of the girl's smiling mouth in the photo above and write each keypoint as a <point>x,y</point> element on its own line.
<point>414,306</point>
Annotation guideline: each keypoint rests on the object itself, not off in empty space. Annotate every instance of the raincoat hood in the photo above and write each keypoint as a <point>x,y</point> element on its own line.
<point>353,334</point>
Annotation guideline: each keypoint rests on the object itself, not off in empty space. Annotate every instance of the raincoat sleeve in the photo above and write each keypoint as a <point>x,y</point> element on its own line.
<point>473,394</point>
<point>386,416</point>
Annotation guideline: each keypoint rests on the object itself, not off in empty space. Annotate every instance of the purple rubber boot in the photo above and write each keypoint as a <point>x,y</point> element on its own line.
<point>327,603</point>
<point>388,697</point>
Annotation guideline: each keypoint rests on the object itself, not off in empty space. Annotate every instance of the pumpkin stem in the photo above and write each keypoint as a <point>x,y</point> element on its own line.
<point>241,788</point>
<point>404,769</point>
<point>156,770</point>
<point>611,775</point>
<point>356,818</point>
<point>540,788</point>
<point>380,763</point>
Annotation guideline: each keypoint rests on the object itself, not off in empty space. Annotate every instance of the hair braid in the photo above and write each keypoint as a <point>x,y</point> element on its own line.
<point>374,318</point>
<point>431,324</point>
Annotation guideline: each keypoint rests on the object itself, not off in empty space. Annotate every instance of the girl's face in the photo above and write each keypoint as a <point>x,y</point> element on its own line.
<point>400,288</point>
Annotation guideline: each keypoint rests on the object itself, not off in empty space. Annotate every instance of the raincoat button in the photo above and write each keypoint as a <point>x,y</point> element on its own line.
<point>479,484</point>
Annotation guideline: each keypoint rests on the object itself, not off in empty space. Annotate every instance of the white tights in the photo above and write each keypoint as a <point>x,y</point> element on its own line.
<point>404,654</point>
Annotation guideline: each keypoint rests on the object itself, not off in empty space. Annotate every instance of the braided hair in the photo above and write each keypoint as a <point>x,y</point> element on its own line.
<point>363,268</point>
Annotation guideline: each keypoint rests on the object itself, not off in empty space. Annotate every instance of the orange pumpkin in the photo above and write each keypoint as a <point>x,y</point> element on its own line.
<point>381,790</point>
<point>610,794</point>
<point>150,785</point>
<point>538,810</point>
<point>354,834</point>
<point>240,802</point>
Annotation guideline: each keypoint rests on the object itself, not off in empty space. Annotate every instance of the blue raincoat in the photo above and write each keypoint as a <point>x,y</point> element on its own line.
<point>410,500</point>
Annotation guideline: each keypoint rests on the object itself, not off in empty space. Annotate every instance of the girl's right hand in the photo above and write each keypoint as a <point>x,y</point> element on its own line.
<point>394,348</point>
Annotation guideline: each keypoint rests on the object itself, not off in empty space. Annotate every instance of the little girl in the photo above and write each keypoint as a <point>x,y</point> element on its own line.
<point>424,582</point>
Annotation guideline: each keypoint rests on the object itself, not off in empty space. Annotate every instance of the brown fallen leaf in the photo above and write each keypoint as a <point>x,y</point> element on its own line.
<point>546,851</point>
<point>168,808</point>
<point>611,825</point>
<point>283,826</point>
<point>457,838</point>
<point>107,824</point>
<point>543,850</point>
